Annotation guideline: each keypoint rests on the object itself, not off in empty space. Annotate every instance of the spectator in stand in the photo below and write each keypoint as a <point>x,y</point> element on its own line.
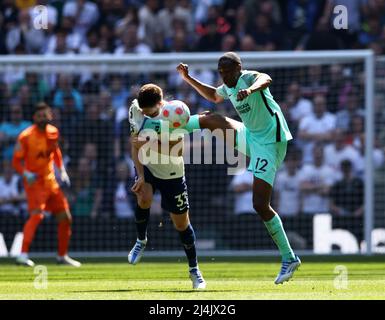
<point>347,195</point>
<point>10,130</point>
<point>119,93</point>
<point>371,31</point>
<point>92,44</point>
<point>12,196</point>
<point>149,24</point>
<point>299,106</point>
<point>131,42</point>
<point>66,88</point>
<point>242,186</point>
<point>315,183</point>
<point>339,85</point>
<point>30,90</point>
<point>248,43</point>
<point>229,43</point>
<point>315,84</point>
<point>87,195</point>
<point>211,38</point>
<point>287,195</point>
<point>124,201</point>
<point>23,33</point>
<point>58,43</point>
<point>85,15</point>
<point>350,110</point>
<point>111,11</point>
<point>166,17</point>
<point>266,35</point>
<point>320,39</point>
<point>212,30</point>
<point>318,127</point>
<point>338,150</point>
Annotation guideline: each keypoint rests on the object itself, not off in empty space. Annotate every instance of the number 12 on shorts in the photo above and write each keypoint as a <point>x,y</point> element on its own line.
<point>260,165</point>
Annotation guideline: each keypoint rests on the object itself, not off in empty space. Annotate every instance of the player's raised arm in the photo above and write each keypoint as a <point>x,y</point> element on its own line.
<point>205,90</point>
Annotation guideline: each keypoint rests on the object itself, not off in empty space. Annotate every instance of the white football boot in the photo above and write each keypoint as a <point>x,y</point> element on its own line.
<point>197,279</point>
<point>287,270</point>
<point>23,260</point>
<point>137,251</point>
<point>66,260</point>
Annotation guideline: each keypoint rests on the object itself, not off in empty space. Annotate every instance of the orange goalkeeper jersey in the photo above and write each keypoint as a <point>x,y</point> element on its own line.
<point>36,151</point>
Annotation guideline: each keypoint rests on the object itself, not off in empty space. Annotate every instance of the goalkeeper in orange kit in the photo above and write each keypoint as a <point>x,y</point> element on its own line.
<point>35,153</point>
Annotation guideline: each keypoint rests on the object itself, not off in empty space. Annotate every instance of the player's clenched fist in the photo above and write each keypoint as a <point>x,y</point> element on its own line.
<point>242,94</point>
<point>182,68</point>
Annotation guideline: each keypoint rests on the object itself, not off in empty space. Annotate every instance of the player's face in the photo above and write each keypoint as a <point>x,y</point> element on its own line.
<point>229,73</point>
<point>42,118</point>
<point>152,111</point>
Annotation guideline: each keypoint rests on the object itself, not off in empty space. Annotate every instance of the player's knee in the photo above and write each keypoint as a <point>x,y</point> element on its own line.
<point>180,225</point>
<point>64,216</point>
<point>145,203</point>
<point>38,216</point>
<point>260,206</point>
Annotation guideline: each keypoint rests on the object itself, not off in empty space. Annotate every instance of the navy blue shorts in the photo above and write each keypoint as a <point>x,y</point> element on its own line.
<point>173,192</point>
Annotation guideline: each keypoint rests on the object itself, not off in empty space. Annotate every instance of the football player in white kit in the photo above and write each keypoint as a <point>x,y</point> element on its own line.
<point>167,177</point>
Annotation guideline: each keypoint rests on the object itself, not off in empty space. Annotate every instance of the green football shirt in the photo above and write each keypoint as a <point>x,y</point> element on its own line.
<point>259,112</point>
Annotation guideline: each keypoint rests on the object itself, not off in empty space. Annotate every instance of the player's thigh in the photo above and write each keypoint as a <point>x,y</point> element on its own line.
<point>174,195</point>
<point>266,159</point>
<point>180,220</point>
<point>58,205</point>
<point>37,196</point>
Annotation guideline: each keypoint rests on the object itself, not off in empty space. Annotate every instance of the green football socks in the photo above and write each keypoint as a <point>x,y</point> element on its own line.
<point>276,231</point>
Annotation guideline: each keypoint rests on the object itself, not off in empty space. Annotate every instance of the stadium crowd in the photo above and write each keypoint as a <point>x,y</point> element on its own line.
<point>323,104</point>
<point>144,26</point>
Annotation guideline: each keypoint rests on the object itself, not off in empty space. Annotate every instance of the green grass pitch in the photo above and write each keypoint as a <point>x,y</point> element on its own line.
<point>227,279</point>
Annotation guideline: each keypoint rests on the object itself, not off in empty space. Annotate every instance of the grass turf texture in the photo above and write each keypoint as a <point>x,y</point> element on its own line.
<point>167,279</point>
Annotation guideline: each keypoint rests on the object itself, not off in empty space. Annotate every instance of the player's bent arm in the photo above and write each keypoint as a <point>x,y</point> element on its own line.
<point>58,160</point>
<point>18,157</point>
<point>135,157</point>
<point>262,82</point>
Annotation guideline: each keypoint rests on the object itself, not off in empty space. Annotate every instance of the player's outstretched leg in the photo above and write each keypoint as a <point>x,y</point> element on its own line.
<point>141,220</point>
<point>29,231</point>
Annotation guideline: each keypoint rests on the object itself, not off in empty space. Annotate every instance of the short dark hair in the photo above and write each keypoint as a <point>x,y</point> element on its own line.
<point>149,95</point>
<point>41,106</point>
<point>230,57</point>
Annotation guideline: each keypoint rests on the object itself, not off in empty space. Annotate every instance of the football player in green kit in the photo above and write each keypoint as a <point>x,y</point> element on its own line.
<point>263,129</point>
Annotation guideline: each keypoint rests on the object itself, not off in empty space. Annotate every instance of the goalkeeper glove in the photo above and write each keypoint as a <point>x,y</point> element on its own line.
<point>64,177</point>
<point>29,176</point>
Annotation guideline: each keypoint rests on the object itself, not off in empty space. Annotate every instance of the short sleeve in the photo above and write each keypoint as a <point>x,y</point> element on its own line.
<point>20,147</point>
<point>221,91</point>
<point>250,77</point>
